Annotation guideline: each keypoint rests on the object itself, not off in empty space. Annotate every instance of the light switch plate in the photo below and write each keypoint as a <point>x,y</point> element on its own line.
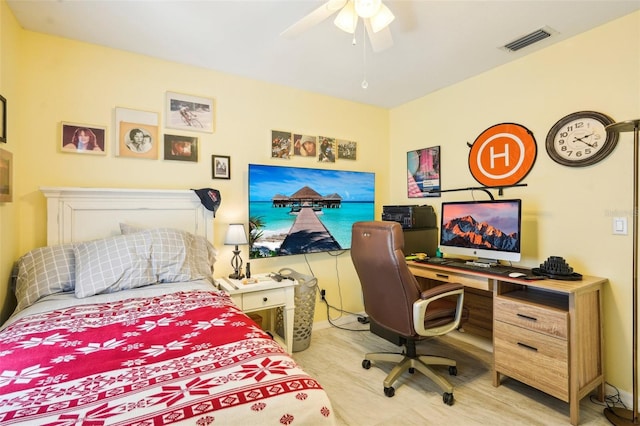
<point>620,226</point>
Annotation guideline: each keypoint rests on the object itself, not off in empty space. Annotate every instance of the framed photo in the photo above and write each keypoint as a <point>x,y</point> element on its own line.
<point>423,172</point>
<point>187,112</point>
<point>304,146</point>
<point>327,150</point>
<point>136,134</point>
<point>6,173</point>
<point>3,119</point>
<point>221,167</point>
<point>347,150</point>
<point>180,148</point>
<point>280,144</point>
<point>82,139</point>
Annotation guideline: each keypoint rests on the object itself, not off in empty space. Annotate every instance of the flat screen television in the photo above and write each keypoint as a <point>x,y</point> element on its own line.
<point>486,230</point>
<point>296,210</point>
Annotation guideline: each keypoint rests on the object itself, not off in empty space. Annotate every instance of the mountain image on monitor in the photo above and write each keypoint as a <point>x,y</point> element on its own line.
<point>467,232</point>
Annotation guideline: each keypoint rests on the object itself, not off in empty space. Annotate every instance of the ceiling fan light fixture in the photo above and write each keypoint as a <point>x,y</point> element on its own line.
<point>367,8</point>
<point>381,19</point>
<point>347,19</point>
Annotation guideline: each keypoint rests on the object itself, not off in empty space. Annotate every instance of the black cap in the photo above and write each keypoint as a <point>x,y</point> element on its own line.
<point>210,198</point>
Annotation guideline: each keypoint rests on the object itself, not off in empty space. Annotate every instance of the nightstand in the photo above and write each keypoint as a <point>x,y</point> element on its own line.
<point>265,294</point>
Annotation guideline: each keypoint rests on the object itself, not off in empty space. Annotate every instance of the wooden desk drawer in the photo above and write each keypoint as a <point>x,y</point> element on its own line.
<point>533,358</point>
<point>480,283</point>
<point>263,299</point>
<point>551,321</point>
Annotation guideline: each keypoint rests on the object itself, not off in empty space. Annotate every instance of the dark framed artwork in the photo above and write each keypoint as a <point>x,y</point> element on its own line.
<point>6,173</point>
<point>180,148</point>
<point>82,139</point>
<point>221,167</point>
<point>423,173</point>
<point>3,118</point>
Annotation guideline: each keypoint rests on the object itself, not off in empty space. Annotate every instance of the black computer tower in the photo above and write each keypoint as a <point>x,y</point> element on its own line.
<point>420,241</point>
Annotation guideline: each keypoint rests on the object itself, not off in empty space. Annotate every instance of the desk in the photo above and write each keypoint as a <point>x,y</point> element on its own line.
<point>546,333</point>
<point>265,294</point>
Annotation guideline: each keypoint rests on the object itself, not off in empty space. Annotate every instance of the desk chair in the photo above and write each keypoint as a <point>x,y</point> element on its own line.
<point>394,301</point>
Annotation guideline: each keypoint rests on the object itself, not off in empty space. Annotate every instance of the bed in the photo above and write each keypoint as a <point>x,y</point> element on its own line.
<point>93,342</point>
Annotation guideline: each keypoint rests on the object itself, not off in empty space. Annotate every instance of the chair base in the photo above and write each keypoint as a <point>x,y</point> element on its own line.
<point>420,362</point>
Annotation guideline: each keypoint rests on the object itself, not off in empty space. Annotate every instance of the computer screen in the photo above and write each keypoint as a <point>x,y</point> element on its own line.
<point>487,230</point>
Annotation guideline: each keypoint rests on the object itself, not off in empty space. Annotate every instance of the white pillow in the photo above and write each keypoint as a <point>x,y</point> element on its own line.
<point>44,271</point>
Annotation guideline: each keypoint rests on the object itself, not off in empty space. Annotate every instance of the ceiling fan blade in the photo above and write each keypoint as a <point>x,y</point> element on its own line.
<point>381,40</point>
<point>314,18</point>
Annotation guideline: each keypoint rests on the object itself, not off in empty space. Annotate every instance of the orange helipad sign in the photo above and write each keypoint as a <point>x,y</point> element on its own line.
<point>502,155</point>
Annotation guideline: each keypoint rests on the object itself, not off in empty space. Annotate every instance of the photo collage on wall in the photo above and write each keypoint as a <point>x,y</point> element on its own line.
<point>323,148</point>
<point>138,133</point>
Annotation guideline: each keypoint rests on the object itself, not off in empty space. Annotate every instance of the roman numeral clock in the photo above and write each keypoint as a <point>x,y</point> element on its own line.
<point>581,139</point>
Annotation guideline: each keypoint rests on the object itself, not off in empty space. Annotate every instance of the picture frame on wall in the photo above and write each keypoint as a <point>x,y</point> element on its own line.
<point>82,139</point>
<point>304,145</point>
<point>281,144</point>
<point>3,118</point>
<point>347,150</point>
<point>326,149</point>
<point>180,148</point>
<point>136,134</point>
<point>188,112</point>
<point>220,167</point>
<point>6,176</point>
<point>423,173</point>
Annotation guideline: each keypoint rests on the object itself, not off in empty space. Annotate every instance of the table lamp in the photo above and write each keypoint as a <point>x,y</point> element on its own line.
<point>236,236</point>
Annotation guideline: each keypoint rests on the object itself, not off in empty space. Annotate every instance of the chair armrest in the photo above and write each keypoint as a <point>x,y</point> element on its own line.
<point>435,293</point>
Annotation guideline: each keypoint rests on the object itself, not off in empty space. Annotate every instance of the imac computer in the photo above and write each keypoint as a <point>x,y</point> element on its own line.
<point>488,231</point>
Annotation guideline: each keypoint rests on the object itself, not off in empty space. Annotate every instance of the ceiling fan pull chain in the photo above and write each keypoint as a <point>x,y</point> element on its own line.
<point>365,83</point>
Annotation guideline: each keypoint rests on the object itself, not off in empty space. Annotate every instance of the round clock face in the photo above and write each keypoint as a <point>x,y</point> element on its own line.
<point>580,139</point>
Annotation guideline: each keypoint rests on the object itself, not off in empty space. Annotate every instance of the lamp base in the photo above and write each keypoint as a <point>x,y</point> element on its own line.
<point>619,416</point>
<point>236,276</point>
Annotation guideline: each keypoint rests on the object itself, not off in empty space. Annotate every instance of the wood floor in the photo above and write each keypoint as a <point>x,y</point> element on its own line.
<point>334,358</point>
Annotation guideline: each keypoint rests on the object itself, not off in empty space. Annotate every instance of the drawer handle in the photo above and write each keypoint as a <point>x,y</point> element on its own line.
<point>527,347</point>
<point>442,276</point>
<point>264,299</point>
<point>527,317</point>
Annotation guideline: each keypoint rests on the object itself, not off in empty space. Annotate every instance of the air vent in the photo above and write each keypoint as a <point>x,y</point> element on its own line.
<point>529,39</point>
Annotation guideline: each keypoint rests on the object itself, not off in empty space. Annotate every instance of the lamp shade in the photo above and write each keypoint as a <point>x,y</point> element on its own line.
<point>347,20</point>
<point>381,19</point>
<point>367,8</point>
<point>235,235</point>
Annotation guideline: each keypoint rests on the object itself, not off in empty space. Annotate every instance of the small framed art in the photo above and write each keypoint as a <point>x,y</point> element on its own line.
<point>423,173</point>
<point>6,173</point>
<point>280,144</point>
<point>82,139</point>
<point>304,145</point>
<point>136,134</point>
<point>3,119</point>
<point>347,150</point>
<point>221,167</point>
<point>180,148</point>
<point>187,112</point>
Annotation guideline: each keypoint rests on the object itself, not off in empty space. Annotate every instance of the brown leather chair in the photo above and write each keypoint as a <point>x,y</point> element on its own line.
<point>393,301</point>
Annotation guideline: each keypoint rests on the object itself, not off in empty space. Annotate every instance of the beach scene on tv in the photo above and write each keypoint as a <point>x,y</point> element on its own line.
<point>295,210</point>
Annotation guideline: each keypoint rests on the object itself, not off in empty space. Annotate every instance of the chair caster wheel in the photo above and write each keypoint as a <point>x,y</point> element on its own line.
<point>447,398</point>
<point>390,391</point>
<point>366,364</point>
<point>412,370</point>
<point>453,371</point>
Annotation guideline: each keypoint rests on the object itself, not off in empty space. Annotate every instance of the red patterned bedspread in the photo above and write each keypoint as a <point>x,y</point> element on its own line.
<point>186,357</point>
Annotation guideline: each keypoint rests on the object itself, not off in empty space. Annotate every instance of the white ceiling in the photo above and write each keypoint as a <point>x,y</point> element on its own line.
<point>436,43</point>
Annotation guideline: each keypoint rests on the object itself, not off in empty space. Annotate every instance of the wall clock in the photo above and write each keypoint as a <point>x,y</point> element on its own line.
<point>580,139</point>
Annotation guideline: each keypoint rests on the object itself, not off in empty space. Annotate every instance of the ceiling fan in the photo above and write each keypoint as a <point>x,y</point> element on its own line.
<point>375,15</point>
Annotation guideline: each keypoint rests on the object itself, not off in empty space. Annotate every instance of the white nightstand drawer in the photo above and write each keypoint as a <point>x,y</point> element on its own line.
<point>263,299</point>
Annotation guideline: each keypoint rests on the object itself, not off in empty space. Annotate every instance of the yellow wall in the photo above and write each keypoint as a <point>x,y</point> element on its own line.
<point>63,80</point>
<point>9,70</point>
<point>567,211</point>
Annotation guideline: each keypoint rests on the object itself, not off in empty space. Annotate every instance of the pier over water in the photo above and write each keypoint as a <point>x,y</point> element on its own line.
<point>307,234</point>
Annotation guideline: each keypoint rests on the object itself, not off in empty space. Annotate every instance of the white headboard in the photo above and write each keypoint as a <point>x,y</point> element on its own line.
<point>81,214</point>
